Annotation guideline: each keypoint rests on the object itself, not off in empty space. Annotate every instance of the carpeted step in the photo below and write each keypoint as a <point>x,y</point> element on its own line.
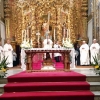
<point>46,86</point>
<point>47,77</point>
<point>69,95</point>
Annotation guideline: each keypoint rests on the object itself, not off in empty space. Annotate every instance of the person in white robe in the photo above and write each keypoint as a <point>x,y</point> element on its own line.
<point>23,57</point>
<point>47,44</point>
<point>94,50</point>
<point>84,54</point>
<point>1,52</point>
<point>57,56</point>
<point>8,52</point>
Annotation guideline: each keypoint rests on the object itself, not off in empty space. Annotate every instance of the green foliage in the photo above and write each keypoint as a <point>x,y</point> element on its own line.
<point>3,67</point>
<point>96,64</point>
<point>95,58</point>
<point>4,63</point>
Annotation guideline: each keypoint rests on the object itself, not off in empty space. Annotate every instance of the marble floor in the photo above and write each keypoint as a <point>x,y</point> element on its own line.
<point>86,71</point>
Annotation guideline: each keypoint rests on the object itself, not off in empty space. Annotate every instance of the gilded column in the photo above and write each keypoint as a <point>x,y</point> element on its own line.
<point>7,18</point>
<point>59,28</point>
<point>84,16</point>
<point>33,27</point>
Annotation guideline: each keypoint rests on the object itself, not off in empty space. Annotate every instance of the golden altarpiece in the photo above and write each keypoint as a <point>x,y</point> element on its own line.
<point>30,15</point>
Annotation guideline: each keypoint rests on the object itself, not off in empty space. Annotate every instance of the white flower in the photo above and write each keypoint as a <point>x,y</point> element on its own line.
<point>26,44</point>
<point>67,43</point>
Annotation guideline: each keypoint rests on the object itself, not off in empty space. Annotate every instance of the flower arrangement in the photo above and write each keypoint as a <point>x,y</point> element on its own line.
<point>26,45</point>
<point>67,43</point>
<point>96,64</point>
<point>3,67</point>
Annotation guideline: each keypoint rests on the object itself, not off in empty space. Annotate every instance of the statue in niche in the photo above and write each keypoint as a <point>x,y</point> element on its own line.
<point>46,28</point>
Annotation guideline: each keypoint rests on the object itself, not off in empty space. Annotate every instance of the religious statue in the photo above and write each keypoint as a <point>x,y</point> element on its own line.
<point>45,28</point>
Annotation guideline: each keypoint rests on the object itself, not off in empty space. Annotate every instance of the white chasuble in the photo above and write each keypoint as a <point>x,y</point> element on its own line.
<point>94,50</point>
<point>84,54</point>
<point>8,52</point>
<point>47,44</point>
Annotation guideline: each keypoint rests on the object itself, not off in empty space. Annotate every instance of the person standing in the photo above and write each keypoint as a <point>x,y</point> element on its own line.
<point>84,54</point>
<point>1,52</point>
<point>57,56</point>
<point>94,50</point>
<point>47,44</point>
<point>8,52</point>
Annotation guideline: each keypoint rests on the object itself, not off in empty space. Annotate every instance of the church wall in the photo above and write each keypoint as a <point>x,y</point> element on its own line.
<point>90,32</point>
<point>2,31</point>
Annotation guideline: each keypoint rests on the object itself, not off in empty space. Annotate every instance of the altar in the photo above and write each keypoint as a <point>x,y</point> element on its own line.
<point>31,52</point>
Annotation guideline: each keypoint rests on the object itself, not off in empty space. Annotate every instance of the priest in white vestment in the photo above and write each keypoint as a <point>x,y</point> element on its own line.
<point>8,52</point>
<point>47,44</point>
<point>1,52</point>
<point>57,55</point>
<point>84,54</point>
<point>94,50</point>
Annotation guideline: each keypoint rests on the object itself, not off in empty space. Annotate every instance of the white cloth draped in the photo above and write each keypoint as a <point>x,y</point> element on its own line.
<point>8,52</point>
<point>94,50</point>
<point>84,54</point>
<point>72,53</point>
<point>23,55</point>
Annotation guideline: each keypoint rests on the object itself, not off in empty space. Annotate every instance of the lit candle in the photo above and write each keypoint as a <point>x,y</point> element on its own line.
<point>22,35</point>
<point>25,35</point>
<point>31,42</point>
<point>48,16</point>
<point>69,35</point>
<point>54,34</point>
<point>64,32</point>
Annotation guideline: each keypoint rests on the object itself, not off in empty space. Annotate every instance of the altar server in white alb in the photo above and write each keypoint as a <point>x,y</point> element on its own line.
<point>94,50</point>
<point>57,55</point>
<point>8,52</point>
<point>1,52</point>
<point>47,44</point>
<point>84,54</point>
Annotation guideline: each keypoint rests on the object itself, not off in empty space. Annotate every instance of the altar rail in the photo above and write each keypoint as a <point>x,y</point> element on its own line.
<point>65,53</point>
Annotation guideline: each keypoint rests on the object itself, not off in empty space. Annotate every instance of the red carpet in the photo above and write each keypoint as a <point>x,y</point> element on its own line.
<point>47,86</point>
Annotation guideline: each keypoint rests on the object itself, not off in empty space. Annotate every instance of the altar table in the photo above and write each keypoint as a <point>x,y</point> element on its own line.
<point>31,52</point>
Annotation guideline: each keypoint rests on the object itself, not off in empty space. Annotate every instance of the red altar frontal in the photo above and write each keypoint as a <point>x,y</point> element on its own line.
<point>31,52</point>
